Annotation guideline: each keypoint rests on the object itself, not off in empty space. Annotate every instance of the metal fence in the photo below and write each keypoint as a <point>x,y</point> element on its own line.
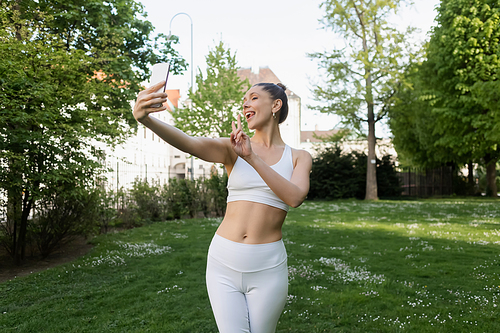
<point>122,174</point>
<point>427,183</point>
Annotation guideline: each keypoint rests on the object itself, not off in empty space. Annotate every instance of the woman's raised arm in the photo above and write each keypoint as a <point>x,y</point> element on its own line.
<point>211,150</point>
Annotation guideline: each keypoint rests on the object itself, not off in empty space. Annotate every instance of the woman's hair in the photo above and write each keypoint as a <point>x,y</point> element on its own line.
<point>277,91</point>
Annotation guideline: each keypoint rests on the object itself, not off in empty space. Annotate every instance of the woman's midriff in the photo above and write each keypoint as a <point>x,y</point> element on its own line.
<point>251,223</point>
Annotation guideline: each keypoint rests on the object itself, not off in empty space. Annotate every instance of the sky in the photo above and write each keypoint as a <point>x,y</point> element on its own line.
<point>266,33</point>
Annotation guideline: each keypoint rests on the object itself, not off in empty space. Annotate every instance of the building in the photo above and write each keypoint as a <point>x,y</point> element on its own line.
<point>146,156</point>
<point>312,140</point>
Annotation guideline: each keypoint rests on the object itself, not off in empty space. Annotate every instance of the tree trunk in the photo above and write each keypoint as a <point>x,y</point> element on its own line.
<point>470,178</point>
<point>13,217</point>
<point>371,167</point>
<point>491,176</point>
<point>20,248</point>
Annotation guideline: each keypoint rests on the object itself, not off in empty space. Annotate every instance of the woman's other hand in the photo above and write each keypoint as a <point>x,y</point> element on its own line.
<point>147,100</point>
<point>240,141</point>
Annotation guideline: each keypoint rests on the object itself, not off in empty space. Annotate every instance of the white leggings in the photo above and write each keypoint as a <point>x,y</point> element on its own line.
<point>247,285</point>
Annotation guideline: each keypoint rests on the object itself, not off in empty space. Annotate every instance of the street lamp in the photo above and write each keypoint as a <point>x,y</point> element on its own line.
<point>192,65</point>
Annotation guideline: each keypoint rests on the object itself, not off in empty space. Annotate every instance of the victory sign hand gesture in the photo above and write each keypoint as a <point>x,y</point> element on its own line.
<point>240,141</point>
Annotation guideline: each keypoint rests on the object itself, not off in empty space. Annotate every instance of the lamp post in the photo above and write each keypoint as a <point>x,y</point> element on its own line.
<point>192,65</point>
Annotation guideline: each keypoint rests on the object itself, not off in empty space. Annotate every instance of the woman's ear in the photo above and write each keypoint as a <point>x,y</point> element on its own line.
<point>277,105</point>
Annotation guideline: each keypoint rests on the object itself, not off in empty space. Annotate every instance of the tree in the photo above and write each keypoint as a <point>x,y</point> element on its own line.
<point>68,73</point>
<point>412,125</point>
<point>455,100</point>
<point>363,77</point>
<point>216,102</point>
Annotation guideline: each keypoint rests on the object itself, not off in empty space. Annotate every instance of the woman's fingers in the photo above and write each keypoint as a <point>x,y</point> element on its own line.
<point>155,87</point>
<point>157,102</point>
<point>236,132</point>
<point>149,101</point>
<point>239,122</point>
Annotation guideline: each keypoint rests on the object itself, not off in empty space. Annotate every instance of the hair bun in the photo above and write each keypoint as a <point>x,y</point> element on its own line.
<point>281,85</point>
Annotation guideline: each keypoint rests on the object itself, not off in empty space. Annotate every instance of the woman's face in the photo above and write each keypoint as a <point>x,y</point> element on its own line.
<point>257,107</point>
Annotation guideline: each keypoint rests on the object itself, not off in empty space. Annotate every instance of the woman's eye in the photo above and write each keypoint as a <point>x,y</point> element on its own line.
<point>254,98</point>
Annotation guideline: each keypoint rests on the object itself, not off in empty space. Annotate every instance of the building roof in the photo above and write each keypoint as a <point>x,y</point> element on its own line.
<point>173,98</point>
<point>312,136</point>
<point>265,74</point>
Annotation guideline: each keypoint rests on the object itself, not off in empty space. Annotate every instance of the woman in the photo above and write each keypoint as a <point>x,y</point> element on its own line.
<point>247,275</point>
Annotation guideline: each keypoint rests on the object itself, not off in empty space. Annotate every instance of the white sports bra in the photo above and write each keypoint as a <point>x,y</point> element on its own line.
<point>245,183</point>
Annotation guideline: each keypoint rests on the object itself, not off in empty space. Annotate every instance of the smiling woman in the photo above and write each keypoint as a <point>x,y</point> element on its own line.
<point>247,276</point>
<point>276,92</point>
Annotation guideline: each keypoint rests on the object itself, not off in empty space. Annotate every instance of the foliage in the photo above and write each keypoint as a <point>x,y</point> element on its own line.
<point>57,219</point>
<point>460,84</point>
<point>336,175</point>
<point>354,266</point>
<point>333,175</point>
<point>68,73</point>
<point>361,78</point>
<point>66,214</point>
<point>412,124</point>
<point>217,193</point>
<point>146,200</point>
<point>150,202</point>
<point>388,182</point>
<point>217,100</point>
<point>179,195</point>
<point>104,210</point>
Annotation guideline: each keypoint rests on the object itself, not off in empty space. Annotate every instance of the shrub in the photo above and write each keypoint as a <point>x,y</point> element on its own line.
<point>216,194</point>
<point>336,175</point>
<point>62,216</point>
<point>175,198</point>
<point>333,175</point>
<point>145,200</point>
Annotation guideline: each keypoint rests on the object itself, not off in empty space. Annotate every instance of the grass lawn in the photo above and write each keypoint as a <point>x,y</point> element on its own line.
<point>387,266</point>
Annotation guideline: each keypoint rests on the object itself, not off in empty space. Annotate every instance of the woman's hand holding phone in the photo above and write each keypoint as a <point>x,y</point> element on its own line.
<point>149,101</point>
<point>152,99</point>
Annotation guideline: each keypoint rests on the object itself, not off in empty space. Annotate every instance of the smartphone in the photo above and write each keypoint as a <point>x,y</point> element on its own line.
<point>160,73</point>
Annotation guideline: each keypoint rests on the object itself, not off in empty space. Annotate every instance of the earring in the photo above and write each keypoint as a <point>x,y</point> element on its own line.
<point>274,115</point>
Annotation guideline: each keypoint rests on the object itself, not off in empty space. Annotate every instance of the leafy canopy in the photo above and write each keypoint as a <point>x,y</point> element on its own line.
<point>217,100</point>
<point>68,73</point>
<point>367,70</point>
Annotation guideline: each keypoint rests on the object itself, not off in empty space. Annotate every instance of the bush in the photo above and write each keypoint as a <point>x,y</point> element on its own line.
<point>62,216</point>
<point>145,200</point>
<point>335,175</point>
<point>216,194</point>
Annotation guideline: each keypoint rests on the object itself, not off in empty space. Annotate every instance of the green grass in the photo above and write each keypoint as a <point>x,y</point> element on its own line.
<point>387,266</point>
